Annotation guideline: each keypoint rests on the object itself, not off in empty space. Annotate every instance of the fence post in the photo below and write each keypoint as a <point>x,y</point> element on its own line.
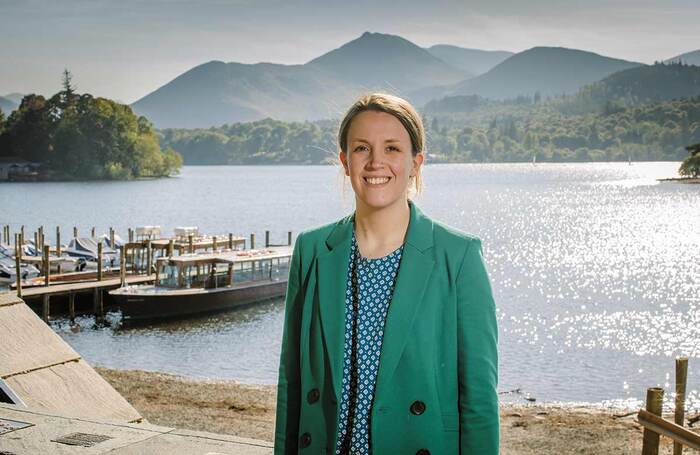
<point>650,443</point>
<point>681,379</point>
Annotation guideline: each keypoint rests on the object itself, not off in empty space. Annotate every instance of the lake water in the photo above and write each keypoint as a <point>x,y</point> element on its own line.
<point>594,266</point>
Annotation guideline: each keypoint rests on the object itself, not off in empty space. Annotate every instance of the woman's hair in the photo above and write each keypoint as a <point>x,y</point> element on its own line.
<point>404,113</point>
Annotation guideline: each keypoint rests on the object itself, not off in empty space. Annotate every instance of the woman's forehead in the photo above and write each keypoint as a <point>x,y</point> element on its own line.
<point>372,125</point>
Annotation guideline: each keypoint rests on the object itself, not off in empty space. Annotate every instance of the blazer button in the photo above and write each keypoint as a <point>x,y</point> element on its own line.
<point>305,440</point>
<point>423,452</point>
<point>417,408</point>
<point>313,395</point>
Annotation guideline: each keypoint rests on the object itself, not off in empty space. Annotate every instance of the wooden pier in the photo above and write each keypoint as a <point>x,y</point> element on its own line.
<point>137,263</point>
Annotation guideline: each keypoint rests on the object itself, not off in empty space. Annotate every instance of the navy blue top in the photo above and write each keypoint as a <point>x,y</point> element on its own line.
<point>370,286</point>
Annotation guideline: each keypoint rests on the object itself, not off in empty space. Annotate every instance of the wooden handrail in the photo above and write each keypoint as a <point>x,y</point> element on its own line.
<point>669,429</point>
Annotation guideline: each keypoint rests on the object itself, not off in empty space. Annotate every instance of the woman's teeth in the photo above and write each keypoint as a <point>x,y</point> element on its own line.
<point>377,180</point>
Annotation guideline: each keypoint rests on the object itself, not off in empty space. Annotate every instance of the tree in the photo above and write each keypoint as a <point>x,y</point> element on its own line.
<point>691,165</point>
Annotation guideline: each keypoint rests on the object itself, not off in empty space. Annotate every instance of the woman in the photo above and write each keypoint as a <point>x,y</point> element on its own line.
<point>390,335</point>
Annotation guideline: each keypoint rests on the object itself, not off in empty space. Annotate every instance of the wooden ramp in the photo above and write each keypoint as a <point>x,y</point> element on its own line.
<point>40,371</point>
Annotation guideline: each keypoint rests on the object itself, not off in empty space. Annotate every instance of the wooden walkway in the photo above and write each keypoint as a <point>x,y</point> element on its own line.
<point>66,288</point>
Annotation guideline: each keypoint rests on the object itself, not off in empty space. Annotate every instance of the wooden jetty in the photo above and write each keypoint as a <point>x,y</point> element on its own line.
<point>138,258</point>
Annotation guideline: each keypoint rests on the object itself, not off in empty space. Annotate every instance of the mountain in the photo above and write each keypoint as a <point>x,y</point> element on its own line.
<point>381,61</point>
<point>215,93</point>
<point>471,61</point>
<point>548,70</point>
<point>690,58</point>
<point>7,105</point>
<point>14,97</point>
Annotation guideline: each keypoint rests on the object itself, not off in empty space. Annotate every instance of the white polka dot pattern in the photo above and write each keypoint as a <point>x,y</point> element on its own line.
<point>370,285</point>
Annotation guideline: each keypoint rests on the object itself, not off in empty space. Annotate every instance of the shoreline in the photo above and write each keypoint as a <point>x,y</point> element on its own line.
<point>230,407</point>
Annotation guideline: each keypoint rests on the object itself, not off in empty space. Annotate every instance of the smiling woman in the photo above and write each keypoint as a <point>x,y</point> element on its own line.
<point>390,335</point>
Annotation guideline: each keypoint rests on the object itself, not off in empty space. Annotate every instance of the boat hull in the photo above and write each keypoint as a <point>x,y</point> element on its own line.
<point>151,306</point>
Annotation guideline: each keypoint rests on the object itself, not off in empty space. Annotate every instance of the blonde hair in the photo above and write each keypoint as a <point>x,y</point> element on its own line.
<point>404,113</point>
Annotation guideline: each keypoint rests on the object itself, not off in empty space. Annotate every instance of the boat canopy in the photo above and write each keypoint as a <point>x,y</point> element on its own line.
<point>228,257</point>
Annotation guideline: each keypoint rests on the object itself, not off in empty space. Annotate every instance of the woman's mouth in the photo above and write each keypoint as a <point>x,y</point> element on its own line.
<point>376,181</point>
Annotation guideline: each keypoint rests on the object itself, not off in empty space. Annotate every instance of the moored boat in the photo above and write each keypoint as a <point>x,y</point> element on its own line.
<point>201,283</point>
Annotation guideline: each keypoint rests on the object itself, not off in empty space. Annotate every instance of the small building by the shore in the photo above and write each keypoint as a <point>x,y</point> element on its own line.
<point>16,168</point>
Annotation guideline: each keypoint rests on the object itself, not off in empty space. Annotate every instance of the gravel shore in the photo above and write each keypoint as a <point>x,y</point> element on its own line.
<point>249,411</point>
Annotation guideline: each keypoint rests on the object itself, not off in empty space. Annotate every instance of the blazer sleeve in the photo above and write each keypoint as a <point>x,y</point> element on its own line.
<point>289,380</point>
<point>477,339</point>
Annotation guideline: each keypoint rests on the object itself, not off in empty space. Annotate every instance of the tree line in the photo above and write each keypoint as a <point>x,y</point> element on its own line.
<point>490,132</point>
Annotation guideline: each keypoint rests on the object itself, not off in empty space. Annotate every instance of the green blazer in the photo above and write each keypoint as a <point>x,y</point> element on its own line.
<point>438,370</point>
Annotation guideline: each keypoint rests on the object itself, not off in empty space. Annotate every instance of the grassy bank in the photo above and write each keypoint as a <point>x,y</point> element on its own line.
<point>249,411</point>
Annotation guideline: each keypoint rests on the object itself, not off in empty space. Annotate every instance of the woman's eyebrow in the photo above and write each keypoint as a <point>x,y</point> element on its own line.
<point>366,141</point>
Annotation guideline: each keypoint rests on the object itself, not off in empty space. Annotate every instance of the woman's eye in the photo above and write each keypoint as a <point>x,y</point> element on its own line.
<point>391,147</point>
<point>360,147</point>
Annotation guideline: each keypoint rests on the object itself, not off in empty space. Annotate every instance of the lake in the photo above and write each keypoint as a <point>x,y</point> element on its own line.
<point>594,266</point>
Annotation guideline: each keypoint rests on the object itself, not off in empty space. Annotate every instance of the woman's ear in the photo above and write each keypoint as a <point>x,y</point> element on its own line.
<point>344,162</point>
<point>417,163</point>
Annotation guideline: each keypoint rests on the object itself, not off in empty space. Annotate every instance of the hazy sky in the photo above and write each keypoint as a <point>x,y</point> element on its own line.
<point>126,49</point>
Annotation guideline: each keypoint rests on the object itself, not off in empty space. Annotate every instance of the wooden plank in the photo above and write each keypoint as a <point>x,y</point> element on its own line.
<point>85,286</point>
<point>72,389</point>
<point>669,429</point>
<point>28,343</point>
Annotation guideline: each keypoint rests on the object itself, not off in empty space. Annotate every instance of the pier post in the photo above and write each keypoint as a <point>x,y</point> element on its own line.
<point>230,241</point>
<point>213,244</point>
<point>149,257</point>
<point>267,239</point>
<point>252,241</point>
<point>99,260</point>
<point>111,238</point>
<point>37,250</point>
<point>45,308</point>
<point>122,266</point>
<point>92,232</point>
<point>47,266</point>
<point>58,248</point>
<point>18,265</point>
<point>97,301</point>
<point>71,306</point>
<point>75,232</point>
<point>289,238</point>
<point>190,242</point>
<point>650,442</point>
<point>681,379</point>
<point>131,235</point>
<point>171,247</point>
<point>230,274</point>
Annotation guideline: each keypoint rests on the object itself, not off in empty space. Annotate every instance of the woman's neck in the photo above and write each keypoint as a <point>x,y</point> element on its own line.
<point>380,231</point>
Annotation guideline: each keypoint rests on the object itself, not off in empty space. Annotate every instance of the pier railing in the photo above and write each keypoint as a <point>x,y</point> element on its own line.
<point>655,425</point>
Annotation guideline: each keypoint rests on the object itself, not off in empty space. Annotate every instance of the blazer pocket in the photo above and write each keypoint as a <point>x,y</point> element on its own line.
<point>450,421</point>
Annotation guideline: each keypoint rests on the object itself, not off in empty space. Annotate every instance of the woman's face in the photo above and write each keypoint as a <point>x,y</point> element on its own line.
<point>379,160</point>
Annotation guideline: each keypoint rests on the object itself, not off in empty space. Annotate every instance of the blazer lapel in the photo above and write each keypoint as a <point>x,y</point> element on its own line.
<point>416,265</point>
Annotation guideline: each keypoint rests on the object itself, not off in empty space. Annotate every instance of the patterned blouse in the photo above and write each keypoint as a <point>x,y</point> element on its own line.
<point>370,286</point>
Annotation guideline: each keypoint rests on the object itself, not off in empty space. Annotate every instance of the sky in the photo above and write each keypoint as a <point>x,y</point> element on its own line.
<point>128,48</point>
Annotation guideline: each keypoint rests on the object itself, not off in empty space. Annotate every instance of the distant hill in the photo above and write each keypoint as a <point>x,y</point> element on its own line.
<point>381,61</point>
<point>471,61</point>
<point>14,97</point>
<point>548,70</point>
<point>216,93</point>
<point>691,58</point>
<point>636,86</point>
<point>7,105</point>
